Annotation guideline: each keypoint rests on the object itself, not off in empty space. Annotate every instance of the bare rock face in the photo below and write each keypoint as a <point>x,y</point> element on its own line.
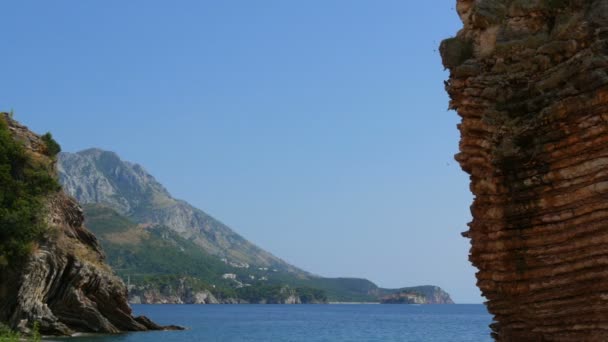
<point>65,284</point>
<point>529,79</point>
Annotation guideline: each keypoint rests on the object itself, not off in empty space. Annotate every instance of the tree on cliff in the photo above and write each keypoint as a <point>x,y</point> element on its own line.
<point>24,182</point>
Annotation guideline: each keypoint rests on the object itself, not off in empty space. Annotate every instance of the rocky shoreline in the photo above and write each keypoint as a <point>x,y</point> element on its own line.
<point>143,295</point>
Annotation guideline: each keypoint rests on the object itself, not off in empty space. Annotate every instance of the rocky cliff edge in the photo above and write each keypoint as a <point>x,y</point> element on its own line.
<point>64,285</point>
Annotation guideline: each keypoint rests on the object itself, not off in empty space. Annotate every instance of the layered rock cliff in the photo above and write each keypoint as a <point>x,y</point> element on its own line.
<point>530,81</point>
<point>63,284</point>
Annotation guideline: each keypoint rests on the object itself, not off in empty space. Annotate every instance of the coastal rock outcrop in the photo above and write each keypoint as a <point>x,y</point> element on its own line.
<point>64,285</point>
<point>530,81</point>
<point>416,295</point>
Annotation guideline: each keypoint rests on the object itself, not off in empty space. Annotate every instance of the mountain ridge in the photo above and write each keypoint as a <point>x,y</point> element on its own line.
<point>101,178</point>
<point>98,176</point>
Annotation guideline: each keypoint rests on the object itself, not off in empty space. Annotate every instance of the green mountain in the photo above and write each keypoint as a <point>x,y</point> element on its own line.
<point>169,251</point>
<point>96,176</point>
<point>152,257</point>
<point>138,250</point>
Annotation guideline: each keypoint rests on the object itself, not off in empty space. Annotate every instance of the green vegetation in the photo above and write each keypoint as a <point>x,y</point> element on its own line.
<point>103,220</point>
<point>25,182</point>
<point>336,289</point>
<point>311,295</point>
<point>144,252</point>
<point>7,335</point>
<point>403,298</point>
<point>168,282</point>
<point>156,257</point>
<point>277,294</point>
<point>52,147</point>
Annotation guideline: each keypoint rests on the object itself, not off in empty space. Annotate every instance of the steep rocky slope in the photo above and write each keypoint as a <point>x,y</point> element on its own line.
<point>63,284</point>
<point>530,81</point>
<point>100,177</point>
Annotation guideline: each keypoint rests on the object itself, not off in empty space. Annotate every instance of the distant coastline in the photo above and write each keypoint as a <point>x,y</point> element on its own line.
<point>353,303</point>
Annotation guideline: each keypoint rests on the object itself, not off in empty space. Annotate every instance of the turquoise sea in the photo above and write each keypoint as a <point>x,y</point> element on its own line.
<point>312,323</point>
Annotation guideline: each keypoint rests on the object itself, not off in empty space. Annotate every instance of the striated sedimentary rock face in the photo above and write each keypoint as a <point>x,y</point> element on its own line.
<point>529,79</point>
<point>65,285</point>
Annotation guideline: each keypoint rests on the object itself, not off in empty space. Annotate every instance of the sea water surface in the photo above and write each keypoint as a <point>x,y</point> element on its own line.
<point>311,323</point>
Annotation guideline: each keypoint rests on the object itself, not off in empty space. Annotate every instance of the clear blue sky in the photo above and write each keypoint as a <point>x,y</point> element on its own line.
<point>317,129</point>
